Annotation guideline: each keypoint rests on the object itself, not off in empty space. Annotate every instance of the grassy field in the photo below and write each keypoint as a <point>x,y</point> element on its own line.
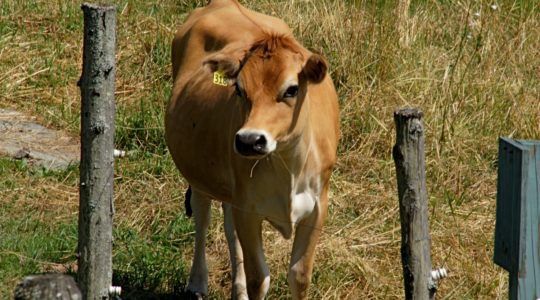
<point>473,69</point>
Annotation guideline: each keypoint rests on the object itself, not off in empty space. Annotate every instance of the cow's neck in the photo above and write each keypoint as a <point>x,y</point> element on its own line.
<point>295,157</point>
<point>303,188</point>
<point>297,149</point>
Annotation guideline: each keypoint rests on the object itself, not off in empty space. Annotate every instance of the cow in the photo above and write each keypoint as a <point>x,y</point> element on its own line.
<point>253,122</point>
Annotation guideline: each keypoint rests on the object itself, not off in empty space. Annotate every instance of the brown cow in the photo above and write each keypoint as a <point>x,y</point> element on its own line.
<point>252,122</point>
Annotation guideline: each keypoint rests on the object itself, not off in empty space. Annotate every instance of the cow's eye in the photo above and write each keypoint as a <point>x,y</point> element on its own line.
<point>291,91</point>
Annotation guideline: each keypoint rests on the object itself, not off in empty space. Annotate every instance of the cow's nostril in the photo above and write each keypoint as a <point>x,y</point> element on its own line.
<point>238,141</point>
<point>260,143</point>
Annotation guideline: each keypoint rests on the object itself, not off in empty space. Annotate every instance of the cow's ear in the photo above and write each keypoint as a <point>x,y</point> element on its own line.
<point>227,61</point>
<point>315,68</point>
<point>225,64</point>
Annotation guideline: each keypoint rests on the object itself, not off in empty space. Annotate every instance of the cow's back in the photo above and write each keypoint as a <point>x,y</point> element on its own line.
<point>209,29</point>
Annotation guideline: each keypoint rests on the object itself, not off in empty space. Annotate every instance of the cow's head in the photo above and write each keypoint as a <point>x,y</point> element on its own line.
<point>270,79</point>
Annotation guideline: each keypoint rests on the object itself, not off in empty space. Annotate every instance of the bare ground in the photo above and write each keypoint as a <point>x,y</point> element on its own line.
<point>22,137</point>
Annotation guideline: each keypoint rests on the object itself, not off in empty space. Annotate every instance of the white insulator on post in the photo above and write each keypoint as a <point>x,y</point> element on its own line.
<point>119,153</point>
<point>439,274</point>
<point>115,291</point>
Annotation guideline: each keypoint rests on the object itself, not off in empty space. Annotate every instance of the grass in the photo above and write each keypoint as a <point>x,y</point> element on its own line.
<point>474,71</point>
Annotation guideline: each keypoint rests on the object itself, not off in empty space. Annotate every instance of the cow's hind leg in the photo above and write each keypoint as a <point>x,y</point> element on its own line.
<point>198,278</point>
<point>303,253</point>
<point>248,228</point>
<point>239,291</point>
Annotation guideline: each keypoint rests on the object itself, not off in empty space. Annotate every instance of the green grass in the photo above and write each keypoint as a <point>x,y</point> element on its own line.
<point>30,241</point>
<point>154,261</point>
<point>475,78</point>
<point>43,236</point>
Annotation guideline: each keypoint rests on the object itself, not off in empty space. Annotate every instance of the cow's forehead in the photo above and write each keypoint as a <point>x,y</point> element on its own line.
<point>271,72</point>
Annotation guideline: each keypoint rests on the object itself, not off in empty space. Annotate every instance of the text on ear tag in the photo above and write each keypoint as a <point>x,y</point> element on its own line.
<point>220,79</point>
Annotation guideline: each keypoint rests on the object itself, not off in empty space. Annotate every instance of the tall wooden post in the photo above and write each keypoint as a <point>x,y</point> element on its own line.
<point>517,233</point>
<point>408,156</point>
<point>97,145</point>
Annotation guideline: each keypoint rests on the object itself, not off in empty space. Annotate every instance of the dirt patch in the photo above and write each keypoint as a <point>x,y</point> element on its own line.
<point>21,137</point>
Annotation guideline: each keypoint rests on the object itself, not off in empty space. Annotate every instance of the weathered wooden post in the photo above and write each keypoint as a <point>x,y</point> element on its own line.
<point>408,156</point>
<point>96,206</point>
<point>517,248</point>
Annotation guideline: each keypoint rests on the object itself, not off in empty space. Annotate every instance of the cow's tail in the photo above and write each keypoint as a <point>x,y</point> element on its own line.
<point>187,202</point>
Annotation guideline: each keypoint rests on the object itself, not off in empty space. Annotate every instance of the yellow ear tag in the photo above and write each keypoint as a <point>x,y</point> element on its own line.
<point>220,79</point>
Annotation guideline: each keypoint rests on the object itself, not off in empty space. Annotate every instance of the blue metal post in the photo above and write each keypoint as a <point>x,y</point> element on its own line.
<point>518,210</point>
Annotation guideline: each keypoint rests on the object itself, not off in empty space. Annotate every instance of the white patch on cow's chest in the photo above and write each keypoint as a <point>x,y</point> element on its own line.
<point>301,201</point>
<point>306,194</point>
<point>303,204</point>
<point>283,198</point>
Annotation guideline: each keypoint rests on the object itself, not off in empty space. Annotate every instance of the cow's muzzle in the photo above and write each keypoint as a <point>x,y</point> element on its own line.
<point>253,143</point>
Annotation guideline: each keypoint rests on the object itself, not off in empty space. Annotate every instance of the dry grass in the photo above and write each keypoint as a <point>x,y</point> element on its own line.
<point>476,77</point>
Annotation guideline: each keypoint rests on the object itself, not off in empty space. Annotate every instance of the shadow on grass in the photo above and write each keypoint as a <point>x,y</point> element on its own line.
<point>134,287</point>
<point>147,295</point>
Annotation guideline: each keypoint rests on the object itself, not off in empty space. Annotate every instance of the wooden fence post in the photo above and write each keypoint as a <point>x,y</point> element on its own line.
<point>517,244</point>
<point>96,208</point>
<point>408,156</point>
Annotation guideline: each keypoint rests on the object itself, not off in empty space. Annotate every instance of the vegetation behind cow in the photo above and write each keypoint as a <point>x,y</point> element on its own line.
<point>471,66</point>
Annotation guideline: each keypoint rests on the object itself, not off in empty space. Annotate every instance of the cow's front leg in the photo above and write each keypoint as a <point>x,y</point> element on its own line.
<point>303,253</point>
<point>239,291</point>
<point>248,228</point>
<point>198,277</point>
